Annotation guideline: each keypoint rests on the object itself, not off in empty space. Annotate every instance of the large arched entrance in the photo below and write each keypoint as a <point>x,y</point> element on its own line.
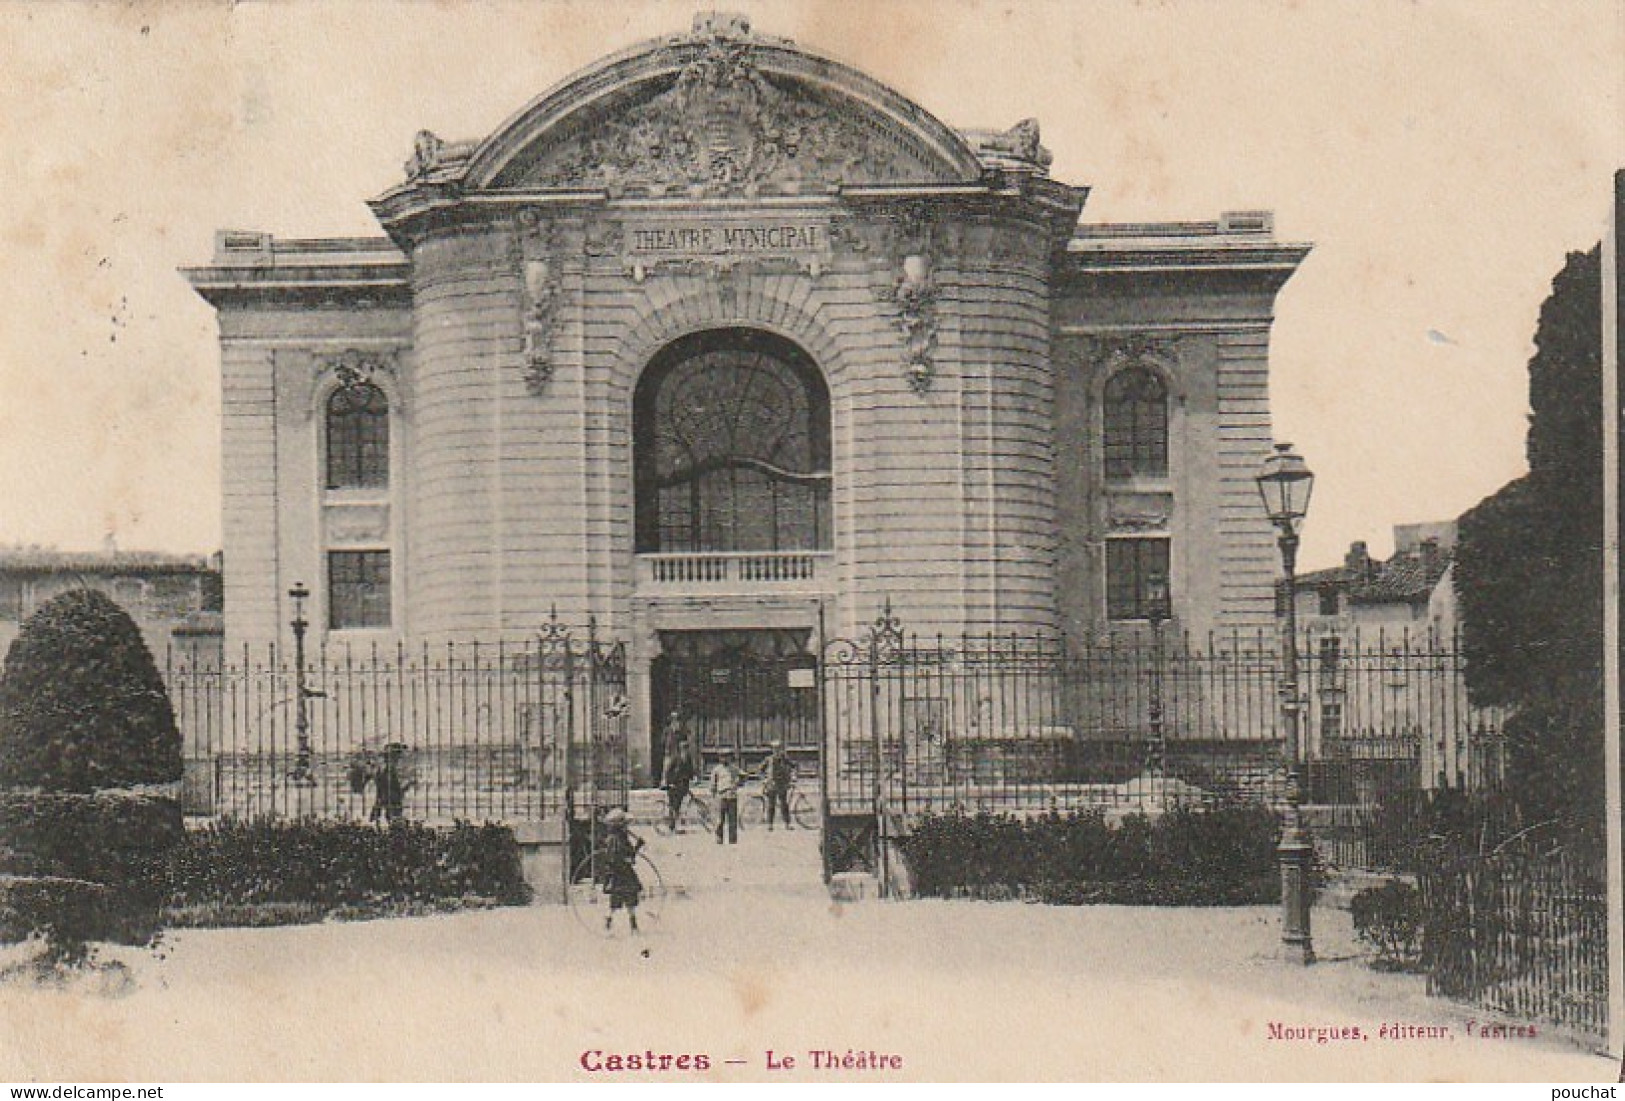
<point>733,480</point>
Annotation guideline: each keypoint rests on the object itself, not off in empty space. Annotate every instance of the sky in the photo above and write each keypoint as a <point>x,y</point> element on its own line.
<point>1441,157</point>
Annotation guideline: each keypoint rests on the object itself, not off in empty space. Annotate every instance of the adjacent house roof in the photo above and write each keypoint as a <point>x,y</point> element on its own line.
<point>39,560</point>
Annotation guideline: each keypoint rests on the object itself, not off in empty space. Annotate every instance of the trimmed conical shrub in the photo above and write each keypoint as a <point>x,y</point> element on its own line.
<point>82,705</point>
<point>84,716</point>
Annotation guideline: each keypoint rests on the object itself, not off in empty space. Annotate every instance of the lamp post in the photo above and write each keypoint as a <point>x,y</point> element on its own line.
<point>1156,613</point>
<point>1285,483</point>
<point>301,776</point>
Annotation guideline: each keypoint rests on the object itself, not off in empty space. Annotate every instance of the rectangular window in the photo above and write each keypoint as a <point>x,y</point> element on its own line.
<point>1130,566</point>
<point>357,589</point>
<point>1328,600</point>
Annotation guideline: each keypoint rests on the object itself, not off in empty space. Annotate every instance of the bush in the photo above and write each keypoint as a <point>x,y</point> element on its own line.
<point>82,706</point>
<point>66,914</point>
<point>1186,857</point>
<point>83,709</point>
<point>308,869</point>
<point>1388,919</point>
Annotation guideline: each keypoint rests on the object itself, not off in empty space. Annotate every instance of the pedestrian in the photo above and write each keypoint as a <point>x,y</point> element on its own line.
<point>671,741</point>
<point>725,790</point>
<point>779,777</point>
<point>617,869</point>
<point>390,784</point>
<point>679,778</point>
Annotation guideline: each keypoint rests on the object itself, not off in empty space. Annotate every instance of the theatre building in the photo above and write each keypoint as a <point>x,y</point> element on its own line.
<point>719,344</point>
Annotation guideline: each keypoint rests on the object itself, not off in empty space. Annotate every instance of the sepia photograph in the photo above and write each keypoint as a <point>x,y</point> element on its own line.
<point>810,542</point>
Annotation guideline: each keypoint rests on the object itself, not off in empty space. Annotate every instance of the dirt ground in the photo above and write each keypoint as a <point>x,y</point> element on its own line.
<point>748,956</point>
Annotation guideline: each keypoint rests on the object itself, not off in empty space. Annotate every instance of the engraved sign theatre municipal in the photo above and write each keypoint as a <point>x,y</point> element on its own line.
<point>720,344</point>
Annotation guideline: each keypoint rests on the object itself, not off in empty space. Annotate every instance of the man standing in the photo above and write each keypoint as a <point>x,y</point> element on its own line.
<point>780,774</point>
<point>679,776</point>
<point>725,790</point>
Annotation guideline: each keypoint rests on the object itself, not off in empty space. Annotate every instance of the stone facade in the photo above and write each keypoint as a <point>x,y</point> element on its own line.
<point>964,325</point>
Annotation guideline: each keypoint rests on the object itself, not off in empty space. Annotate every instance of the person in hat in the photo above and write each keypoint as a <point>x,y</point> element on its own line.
<point>617,868</point>
<point>390,784</point>
<point>679,779</point>
<point>779,777</point>
<point>675,738</point>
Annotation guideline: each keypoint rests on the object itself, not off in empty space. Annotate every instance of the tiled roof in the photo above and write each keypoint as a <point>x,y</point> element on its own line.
<point>38,560</point>
<point>1401,579</point>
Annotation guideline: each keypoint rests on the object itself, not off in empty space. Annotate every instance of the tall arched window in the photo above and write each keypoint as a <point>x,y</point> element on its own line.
<point>357,437</point>
<point>732,447</point>
<point>1136,424</point>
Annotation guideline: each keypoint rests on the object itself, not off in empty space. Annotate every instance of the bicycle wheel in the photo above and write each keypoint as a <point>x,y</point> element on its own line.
<point>589,901</point>
<point>697,812</point>
<point>803,812</point>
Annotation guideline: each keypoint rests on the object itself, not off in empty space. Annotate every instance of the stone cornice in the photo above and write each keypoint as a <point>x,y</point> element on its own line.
<point>256,266</point>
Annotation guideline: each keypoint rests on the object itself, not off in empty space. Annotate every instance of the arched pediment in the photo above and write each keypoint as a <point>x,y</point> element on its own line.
<point>716,113</point>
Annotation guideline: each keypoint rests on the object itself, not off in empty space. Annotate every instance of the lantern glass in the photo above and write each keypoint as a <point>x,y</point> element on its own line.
<point>1285,484</point>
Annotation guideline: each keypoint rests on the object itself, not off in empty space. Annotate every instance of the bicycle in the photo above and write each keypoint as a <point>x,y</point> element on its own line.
<point>803,812</point>
<point>695,811</point>
<point>589,898</point>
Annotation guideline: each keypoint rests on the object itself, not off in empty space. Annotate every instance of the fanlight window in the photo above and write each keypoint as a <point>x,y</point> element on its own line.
<point>357,437</point>
<point>733,447</point>
<point>1136,424</point>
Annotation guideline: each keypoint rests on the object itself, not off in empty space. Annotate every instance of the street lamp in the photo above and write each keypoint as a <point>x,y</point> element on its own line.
<point>1156,613</point>
<point>301,776</point>
<point>1285,483</point>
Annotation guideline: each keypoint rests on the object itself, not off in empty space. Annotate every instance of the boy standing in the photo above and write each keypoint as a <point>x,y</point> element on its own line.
<point>725,789</point>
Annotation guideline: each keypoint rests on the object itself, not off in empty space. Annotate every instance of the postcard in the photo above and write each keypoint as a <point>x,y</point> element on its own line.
<point>560,542</point>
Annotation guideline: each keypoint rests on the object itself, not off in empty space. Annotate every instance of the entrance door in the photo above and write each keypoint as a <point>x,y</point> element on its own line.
<point>737,691</point>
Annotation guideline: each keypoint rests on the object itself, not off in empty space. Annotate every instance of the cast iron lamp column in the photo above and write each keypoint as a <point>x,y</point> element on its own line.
<point>1156,612</point>
<point>301,776</point>
<point>1285,483</point>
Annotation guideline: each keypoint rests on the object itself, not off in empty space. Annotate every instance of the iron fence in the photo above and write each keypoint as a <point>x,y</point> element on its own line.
<point>1149,722</point>
<point>503,731</point>
<point>1521,931</point>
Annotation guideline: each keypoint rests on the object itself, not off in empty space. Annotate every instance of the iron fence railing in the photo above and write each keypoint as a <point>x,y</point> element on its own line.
<point>1521,931</point>
<point>502,732</point>
<point>1000,722</point>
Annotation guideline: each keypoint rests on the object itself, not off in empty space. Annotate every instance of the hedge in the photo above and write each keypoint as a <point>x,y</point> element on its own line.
<point>1187,857</point>
<point>80,868</point>
<point>269,871</point>
<point>114,839</point>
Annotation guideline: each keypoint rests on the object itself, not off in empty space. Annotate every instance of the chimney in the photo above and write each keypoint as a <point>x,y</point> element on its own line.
<point>1358,561</point>
<point>1431,558</point>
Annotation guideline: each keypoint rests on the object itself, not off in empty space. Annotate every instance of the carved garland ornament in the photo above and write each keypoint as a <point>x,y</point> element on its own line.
<point>354,367</point>
<point>542,293</point>
<point>1116,350</point>
<point>914,295</point>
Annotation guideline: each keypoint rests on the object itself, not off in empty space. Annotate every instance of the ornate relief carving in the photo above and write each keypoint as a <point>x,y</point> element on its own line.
<point>352,367</point>
<point>605,239</point>
<point>430,152</point>
<point>543,289</point>
<point>1019,144</point>
<point>1115,350</point>
<point>723,127</point>
<point>916,298</point>
<point>1138,512</point>
<point>913,292</point>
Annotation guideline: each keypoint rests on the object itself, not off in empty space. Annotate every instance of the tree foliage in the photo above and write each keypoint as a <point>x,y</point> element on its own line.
<point>82,705</point>
<point>1529,565</point>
